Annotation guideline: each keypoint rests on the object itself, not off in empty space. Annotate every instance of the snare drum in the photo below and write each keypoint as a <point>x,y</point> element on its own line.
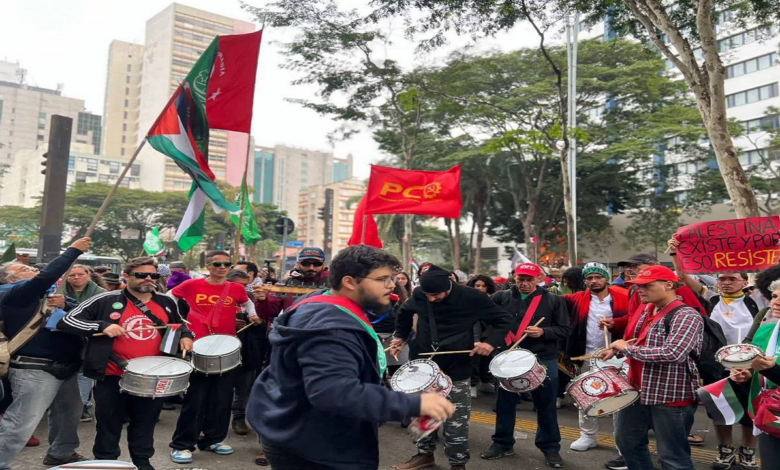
<point>155,376</point>
<point>421,376</point>
<point>601,392</point>
<point>738,356</point>
<point>620,363</point>
<point>98,465</point>
<point>216,354</point>
<point>518,371</point>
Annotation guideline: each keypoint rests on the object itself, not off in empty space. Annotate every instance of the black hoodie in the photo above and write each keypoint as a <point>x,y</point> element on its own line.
<point>321,396</point>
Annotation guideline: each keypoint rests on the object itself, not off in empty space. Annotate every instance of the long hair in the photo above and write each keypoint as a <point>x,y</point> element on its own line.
<point>491,286</point>
<point>407,287</point>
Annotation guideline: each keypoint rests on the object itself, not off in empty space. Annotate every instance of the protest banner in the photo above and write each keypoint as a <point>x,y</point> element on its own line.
<point>749,245</point>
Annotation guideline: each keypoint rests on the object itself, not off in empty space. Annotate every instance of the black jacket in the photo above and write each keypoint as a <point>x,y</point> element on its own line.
<point>556,323</point>
<point>92,316</point>
<point>455,317</point>
<point>22,301</point>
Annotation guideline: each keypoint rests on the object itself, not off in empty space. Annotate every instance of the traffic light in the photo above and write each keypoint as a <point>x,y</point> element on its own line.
<point>321,212</point>
<point>45,162</point>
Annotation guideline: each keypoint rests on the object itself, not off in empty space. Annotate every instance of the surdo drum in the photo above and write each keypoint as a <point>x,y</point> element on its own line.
<point>518,371</point>
<point>155,376</point>
<point>738,356</point>
<point>216,354</point>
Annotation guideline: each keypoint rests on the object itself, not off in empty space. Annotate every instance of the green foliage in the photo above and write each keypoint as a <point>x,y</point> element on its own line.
<point>20,225</point>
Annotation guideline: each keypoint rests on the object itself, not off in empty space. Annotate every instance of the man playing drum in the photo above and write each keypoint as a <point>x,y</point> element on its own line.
<point>662,368</point>
<point>447,313</point>
<point>527,299</point>
<point>318,404</point>
<point>734,312</point>
<point>118,315</point>
<point>588,308</point>
<point>205,413</point>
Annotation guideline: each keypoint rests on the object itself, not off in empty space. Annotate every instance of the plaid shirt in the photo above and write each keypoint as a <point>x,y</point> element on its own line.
<point>669,373</point>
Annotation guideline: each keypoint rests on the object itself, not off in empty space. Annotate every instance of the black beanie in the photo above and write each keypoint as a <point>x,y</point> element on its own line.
<point>435,280</point>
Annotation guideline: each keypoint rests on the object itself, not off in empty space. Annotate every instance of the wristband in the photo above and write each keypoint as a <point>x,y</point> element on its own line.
<point>673,253</point>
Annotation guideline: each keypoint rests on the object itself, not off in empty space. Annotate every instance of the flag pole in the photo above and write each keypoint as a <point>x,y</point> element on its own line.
<point>243,199</point>
<point>363,230</point>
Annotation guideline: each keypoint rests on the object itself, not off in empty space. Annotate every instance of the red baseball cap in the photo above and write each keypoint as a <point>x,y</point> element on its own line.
<point>528,269</point>
<point>654,273</point>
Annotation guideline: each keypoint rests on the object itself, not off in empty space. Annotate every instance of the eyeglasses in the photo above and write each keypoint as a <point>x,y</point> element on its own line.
<point>316,264</point>
<point>387,281</point>
<point>24,269</point>
<point>154,276</point>
<point>221,264</point>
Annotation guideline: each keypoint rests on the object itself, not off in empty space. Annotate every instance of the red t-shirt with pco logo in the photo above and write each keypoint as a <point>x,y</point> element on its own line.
<point>137,343</point>
<point>213,307</point>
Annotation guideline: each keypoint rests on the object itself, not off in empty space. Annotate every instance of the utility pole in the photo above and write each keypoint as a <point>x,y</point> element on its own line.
<point>327,244</point>
<point>572,30</point>
<point>54,187</point>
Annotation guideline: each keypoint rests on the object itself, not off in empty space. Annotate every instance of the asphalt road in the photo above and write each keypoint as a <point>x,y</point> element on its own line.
<point>396,445</point>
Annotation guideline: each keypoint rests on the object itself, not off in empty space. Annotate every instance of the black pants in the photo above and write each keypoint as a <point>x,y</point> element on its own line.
<point>206,411</point>
<point>281,459</point>
<point>480,370</point>
<point>111,409</point>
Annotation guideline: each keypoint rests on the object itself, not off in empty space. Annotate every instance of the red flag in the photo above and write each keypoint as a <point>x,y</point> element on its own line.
<point>372,232</point>
<point>433,193</point>
<point>231,86</point>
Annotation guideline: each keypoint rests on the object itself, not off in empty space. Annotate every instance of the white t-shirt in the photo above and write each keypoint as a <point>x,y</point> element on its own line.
<point>594,336</point>
<point>732,315</point>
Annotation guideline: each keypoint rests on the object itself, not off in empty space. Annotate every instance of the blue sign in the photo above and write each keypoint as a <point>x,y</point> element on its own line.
<point>295,244</point>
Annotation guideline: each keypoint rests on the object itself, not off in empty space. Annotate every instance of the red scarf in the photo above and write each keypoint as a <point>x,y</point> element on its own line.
<point>581,301</point>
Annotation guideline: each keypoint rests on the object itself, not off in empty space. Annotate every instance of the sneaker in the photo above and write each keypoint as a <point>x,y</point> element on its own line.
<point>86,416</point>
<point>33,442</point>
<point>496,452</point>
<point>553,459</point>
<point>473,391</point>
<point>143,465</point>
<point>726,457</point>
<point>51,460</point>
<point>181,456</point>
<point>617,464</point>
<point>168,406</point>
<point>558,403</point>
<point>486,387</point>
<point>420,460</point>
<point>584,443</point>
<point>240,427</point>
<point>220,449</point>
<point>747,458</point>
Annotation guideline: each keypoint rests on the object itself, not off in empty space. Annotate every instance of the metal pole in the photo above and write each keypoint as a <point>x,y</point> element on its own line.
<point>243,199</point>
<point>571,35</point>
<point>363,230</point>
<point>284,248</point>
<point>54,188</point>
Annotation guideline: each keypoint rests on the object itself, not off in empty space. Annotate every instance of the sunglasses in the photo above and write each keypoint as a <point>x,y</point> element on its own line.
<point>221,264</point>
<point>316,264</point>
<point>154,276</point>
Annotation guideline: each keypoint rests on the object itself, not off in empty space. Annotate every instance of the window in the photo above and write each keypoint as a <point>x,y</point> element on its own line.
<point>124,127</point>
<point>343,229</point>
<point>304,164</point>
<point>127,91</point>
<point>304,180</point>
<point>753,157</point>
<point>304,172</point>
<point>129,67</point>
<point>751,96</point>
<point>124,139</point>
<point>42,115</point>
<point>123,152</point>
<point>113,168</point>
<point>127,79</point>
<point>761,124</point>
<point>40,138</point>
<point>125,115</point>
<point>103,179</point>
<point>41,126</point>
<point>81,177</point>
<point>752,65</point>
<point>135,170</point>
<point>745,37</point>
<point>127,103</point>
<point>92,164</point>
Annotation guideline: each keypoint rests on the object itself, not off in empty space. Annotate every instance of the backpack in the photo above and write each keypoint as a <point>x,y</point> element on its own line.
<point>712,340</point>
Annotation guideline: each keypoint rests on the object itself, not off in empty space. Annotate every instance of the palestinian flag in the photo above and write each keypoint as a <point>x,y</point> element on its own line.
<point>218,93</point>
<point>170,341</point>
<point>721,403</point>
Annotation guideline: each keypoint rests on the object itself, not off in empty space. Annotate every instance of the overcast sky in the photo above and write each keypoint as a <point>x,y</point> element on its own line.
<point>66,42</point>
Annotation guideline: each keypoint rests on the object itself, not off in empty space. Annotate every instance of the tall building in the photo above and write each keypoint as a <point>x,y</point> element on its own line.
<point>25,113</point>
<point>311,229</point>
<point>282,172</point>
<point>122,98</point>
<point>175,39</point>
<point>24,182</point>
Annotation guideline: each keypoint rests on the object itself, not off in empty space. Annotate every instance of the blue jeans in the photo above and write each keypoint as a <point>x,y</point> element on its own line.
<point>672,424</point>
<point>548,435</point>
<point>85,389</point>
<point>34,392</point>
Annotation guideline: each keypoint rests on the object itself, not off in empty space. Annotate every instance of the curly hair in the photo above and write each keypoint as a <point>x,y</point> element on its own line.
<point>572,277</point>
<point>359,260</point>
<point>491,286</point>
<point>765,279</point>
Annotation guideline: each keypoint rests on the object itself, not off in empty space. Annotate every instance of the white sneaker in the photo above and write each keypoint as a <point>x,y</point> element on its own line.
<point>473,392</point>
<point>583,443</point>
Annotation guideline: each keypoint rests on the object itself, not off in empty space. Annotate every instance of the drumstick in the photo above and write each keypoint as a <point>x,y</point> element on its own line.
<point>446,352</point>
<point>244,328</point>
<point>583,358</point>
<point>524,335</point>
<point>137,329</point>
<point>606,333</point>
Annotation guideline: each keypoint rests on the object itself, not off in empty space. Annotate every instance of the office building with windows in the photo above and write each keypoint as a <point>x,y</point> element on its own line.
<point>311,229</point>
<point>122,98</point>
<point>175,38</point>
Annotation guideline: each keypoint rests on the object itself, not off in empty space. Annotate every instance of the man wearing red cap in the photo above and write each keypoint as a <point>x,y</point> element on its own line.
<point>528,304</point>
<point>662,368</point>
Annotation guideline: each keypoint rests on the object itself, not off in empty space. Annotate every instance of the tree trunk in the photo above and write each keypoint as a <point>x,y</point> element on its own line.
<point>470,254</point>
<point>448,224</point>
<point>478,250</point>
<point>406,247</point>
<point>568,206</point>
<point>456,246</point>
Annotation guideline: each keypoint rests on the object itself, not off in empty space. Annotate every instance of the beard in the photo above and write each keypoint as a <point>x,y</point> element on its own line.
<point>598,289</point>
<point>144,289</point>
<point>369,302</point>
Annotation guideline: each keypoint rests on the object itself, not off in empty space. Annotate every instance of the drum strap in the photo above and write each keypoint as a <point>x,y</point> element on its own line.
<point>434,330</point>
<point>144,309</point>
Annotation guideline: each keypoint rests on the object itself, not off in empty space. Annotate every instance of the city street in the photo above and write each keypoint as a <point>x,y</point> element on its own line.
<point>396,446</point>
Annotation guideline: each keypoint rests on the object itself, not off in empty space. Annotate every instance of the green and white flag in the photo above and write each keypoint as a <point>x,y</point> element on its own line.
<point>249,229</point>
<point>153,245</point>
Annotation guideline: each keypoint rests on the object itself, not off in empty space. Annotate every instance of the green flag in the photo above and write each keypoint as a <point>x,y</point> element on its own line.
<point>9,255</point>
<point>249,228</point>
<point>153,245</point>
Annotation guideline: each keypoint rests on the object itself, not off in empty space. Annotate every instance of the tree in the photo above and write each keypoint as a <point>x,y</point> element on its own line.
<point>20,225</point>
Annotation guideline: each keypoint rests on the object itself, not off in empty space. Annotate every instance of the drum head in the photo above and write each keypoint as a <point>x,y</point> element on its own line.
<point>619,363</point>
<point>158,365</point>
<point>216,345</point>
<point>614,404</point>
<point>415,376</point>
<point>513,363</point>
<point>101,465</point>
